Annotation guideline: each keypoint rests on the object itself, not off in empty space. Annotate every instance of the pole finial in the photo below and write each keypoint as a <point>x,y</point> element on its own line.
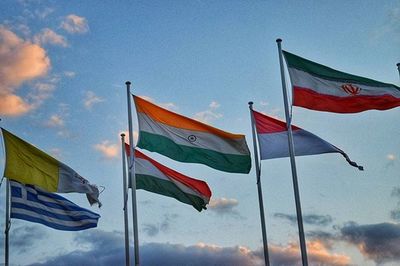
<point>279,40</point>
<point>128,83</point>
<point>250,103</point>
<point>122,134</point>
<point>398,64</point>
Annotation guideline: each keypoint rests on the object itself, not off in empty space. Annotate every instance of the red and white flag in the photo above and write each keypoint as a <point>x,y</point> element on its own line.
<point>273,140</point>
<point>322,88</point>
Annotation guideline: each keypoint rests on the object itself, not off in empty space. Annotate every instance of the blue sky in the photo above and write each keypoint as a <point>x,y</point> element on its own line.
<point>62,88</point>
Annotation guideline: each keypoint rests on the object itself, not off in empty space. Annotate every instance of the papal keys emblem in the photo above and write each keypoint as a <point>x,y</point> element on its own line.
<point>351,89</point>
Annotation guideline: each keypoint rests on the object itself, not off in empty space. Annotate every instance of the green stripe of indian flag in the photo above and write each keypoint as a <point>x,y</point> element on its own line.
<point>150,178</point>
<point>203,140</point>
<point>306,80</point>
<point>230,155</point>
<point>296,62</point>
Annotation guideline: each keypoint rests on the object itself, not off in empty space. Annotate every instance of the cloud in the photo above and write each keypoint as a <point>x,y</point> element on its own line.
<point>164,226</point>
<point>378,242</point>
<point>168,105</point>
<point>317,252</point>
<point>391,157</point>
<point>55,121</point>
<point>21,61</point>
<point>313,219</point>
<point>395,214</point>
<point>48,36</point>
<point>224,206</point>
<point>91,99</point>
<point>25,237</point>
<point>93,243</point>
<point>75,24</point>
<point>69,74</point>
<point>107,149</point>
<point>210,114</point>
<point>389,27</point>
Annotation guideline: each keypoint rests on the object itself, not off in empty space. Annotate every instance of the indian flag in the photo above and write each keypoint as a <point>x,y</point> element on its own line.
<point>321,88</point>
<point>28,165</point>
<point>157,178</point>
<point>187,140</point>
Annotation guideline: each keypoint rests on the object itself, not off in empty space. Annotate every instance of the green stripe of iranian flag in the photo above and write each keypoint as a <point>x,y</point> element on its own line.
<point>319,87</point>
<point>157,178</point>
<point>187,140</point>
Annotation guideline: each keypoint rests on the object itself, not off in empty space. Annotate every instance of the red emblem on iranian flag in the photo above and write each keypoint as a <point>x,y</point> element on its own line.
<point>351,89</point>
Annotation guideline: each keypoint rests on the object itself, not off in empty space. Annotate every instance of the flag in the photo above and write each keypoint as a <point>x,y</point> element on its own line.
<point>187,140</point>
<point>321,88</point>
<point>33,204</point>
<point>273,140</point>
<point>157,178</point>
<point>29,165</point>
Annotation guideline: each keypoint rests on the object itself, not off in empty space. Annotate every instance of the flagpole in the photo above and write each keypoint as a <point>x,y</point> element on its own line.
<point>292,160</point>
<point>7,225</point>
<point>125,195</point>
<point>132,177</point>
<point>398,67</point>
<point>260,198</point>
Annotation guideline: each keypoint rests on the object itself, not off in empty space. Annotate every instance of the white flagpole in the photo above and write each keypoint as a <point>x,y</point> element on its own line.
<point>260,198</point>
<point>303,247</point>
<point>132,177</point>
<point>125,195</point>
<point>7,225</point>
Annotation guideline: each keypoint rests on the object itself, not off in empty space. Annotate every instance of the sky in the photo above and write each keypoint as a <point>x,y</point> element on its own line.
<point>63,68</point>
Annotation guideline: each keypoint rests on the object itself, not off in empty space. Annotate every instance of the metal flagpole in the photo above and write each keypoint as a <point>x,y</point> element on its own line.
<point>127,262</point>
<point>398,67</point>
<point>292,160</point>
<point>132,177</point>
<point>7,225</point>
<point>260,198</point>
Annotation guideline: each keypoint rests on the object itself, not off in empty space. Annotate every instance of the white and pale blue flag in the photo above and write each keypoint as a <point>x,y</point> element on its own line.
<point>35,205</point>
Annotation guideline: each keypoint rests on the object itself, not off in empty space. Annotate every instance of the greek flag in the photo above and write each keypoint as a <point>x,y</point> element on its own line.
<point>35,205</point>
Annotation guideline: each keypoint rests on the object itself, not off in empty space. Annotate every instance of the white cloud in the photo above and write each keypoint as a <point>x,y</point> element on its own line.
<point>75,24</point>
<point>210,114</point>
<point>20,61</point>
<point>55,121</point>
<point>69,74</point>
<point>107,149</point>
<point>168,105</point>
<point>91,99</point>
<point>48,36</point>
<point>391,157</point>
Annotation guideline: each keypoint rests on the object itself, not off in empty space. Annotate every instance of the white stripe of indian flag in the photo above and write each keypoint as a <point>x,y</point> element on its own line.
<point>154,177</point>
<point>187,140</point>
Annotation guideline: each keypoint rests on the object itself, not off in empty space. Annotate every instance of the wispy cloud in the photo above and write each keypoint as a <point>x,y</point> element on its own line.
<point>21,61</point>
<point>224,206</point>
<point>163,226</point>
<point>210,114</point>
<point>69,74</point>
<point>91,99</point>
<point>75,24</point>
<point>107,149</point>
<point>55,121</point>
<point>391,26</point>
<point>313,219</point>
<point>25,237</point>
<point>48,36</point>
<point>167,105</point>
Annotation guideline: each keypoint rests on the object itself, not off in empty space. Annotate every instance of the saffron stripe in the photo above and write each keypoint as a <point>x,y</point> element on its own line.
<point>166,117</point>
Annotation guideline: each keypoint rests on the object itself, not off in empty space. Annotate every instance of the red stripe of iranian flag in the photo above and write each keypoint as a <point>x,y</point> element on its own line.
<point>321,88</point>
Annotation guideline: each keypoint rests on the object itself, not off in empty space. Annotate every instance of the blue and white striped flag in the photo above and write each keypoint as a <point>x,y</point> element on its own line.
<point>35,205</point>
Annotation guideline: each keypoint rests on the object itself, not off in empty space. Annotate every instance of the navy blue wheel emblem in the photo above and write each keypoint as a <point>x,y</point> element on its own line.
<point>192,138</point>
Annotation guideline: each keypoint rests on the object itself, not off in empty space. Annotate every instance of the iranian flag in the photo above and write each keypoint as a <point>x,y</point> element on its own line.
<point>273,140</point>
<point>187,140</point>
<point>322,88</point>
<point>157,178</point>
